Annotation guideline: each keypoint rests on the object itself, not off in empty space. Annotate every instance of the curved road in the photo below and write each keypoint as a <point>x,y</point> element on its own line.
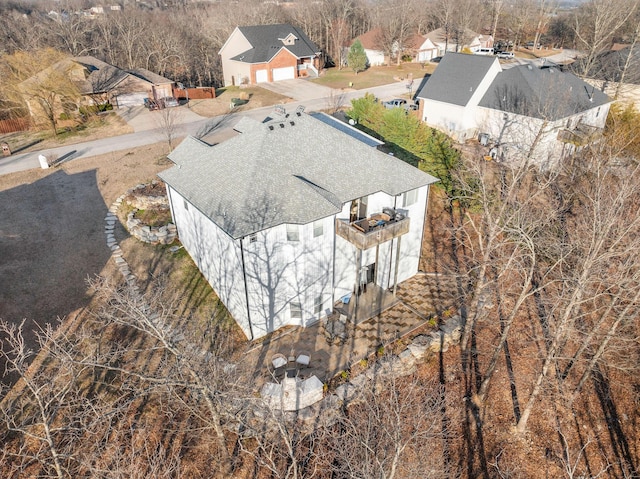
<point>26,161</point>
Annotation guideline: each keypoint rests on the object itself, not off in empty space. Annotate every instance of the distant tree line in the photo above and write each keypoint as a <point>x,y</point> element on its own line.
<point>181,39</point>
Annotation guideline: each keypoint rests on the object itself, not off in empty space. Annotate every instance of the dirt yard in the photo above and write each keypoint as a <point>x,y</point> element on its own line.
<point>52,231</point>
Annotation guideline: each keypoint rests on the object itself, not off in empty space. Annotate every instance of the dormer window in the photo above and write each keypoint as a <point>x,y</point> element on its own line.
<point>289,39</point>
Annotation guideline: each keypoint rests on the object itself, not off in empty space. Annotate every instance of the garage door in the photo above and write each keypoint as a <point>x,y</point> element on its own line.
<point>262,76</point>
<point>286,73</point>
<point>131,99</point>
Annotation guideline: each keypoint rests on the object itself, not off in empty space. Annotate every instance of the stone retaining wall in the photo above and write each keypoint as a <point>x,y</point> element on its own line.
<point>161,235</point>
<point>144,202</point>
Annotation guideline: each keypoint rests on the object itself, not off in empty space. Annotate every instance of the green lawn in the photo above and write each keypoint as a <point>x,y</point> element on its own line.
<point>373,76</point>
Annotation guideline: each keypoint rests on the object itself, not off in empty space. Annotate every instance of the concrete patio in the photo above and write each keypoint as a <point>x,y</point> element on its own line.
<point>417,300</point>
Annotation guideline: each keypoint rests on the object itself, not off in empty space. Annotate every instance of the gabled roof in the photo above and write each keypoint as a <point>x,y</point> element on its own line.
<point>414,41</point>
<point>456,78</point>
<point>282,172</point>
<point>370,40</point>
<point>541,92</point>
<point>267,40</point>
<point>149,76</point>
<point>439,35</point>
<point>101,76</point>
<point>610,65</point>
<point>97,76</point>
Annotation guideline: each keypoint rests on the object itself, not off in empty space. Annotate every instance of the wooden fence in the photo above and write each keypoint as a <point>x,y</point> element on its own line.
<point>199,93</point>
<point>14,124</point>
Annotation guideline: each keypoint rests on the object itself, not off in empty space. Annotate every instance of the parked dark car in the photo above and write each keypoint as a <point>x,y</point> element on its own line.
<point>169,102</point>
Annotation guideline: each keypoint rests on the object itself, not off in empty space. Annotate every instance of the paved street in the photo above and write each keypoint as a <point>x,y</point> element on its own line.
<point>146,132</point>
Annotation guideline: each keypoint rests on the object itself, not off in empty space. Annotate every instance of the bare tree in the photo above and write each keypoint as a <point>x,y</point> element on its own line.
<point>595,24</point>
<point>187,367</point>
<point>397,20</point>
<point>391,421</point>
<point>48,411</point>
<point>600,276</point>
<point>168,120</point>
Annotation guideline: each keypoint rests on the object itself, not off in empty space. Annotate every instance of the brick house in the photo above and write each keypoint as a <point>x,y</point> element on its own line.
<point>268,53</point>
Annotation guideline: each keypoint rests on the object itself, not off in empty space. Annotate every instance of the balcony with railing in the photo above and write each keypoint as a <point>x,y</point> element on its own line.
<point>581,135</point>
<point>374,230</point>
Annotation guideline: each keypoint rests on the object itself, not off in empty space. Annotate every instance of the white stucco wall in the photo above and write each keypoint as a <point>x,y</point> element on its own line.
<point>280,271</point>
<point>410,246</point>
<point>517,133</point>
<point>448,118</point>
<point>215,253</point>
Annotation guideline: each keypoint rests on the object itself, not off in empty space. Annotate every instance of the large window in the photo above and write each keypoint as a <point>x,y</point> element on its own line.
<point>293,233</point>
<point>318,228</point>
<point>409,198</point>
<point>295,308</point>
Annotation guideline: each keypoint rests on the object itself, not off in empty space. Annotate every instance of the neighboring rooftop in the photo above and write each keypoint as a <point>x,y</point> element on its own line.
<point>371,40</point>
<point>541,92</point>
<point>456,78</point>
<point>149,76</point>
<point>292,169</point>
<point>610,65</point>
<point>101,76</point>
<point>439,35</point>
<point>268,40</point>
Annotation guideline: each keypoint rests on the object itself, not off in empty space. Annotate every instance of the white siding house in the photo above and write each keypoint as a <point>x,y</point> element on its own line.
<point>537,113</point>
<point>272,221</point>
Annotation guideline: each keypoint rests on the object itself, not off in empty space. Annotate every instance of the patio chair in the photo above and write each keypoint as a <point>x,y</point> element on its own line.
<point>303,359</point>
<point>279,363</point>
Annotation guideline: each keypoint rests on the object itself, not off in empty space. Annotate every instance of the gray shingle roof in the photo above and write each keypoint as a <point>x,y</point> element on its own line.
<point>102,76</point>
<point>545,92</point>
<point>266,41</point>
<point>296,173</point>
<point>456,78</point>
<point>149,76</point>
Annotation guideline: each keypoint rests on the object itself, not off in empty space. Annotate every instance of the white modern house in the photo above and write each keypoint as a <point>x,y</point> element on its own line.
<point>295,214</point>
<point>533,112</point>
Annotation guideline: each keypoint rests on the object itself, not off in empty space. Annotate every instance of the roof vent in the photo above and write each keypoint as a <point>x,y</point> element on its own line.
<point>299,110</point>
<point>292,123</point>
<point>271,127</point>
<point>281,125</point>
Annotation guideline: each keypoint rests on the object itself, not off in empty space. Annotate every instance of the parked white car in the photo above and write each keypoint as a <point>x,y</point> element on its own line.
<point>395,103</point>
<point>505,55</point>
